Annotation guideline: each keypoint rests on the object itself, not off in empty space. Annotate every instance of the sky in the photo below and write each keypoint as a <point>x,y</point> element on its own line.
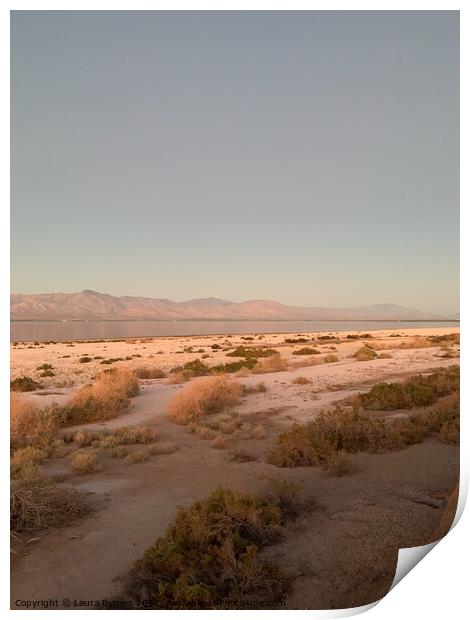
<point>307,157</point>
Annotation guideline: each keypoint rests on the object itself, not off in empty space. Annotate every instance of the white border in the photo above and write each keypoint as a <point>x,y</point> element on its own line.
<point>438,585</point>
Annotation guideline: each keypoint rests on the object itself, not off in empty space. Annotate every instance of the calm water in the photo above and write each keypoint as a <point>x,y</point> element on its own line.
<point>78,330</point>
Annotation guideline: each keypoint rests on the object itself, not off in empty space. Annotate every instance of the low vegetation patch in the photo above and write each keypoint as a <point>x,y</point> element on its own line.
<point>108,397</point>
<point>317,442</point>
<point>306,351</point>
<point>364,354</point>
<point>38,504</point>
<point>252,353</point>
<point>150,373</point>
<point>274,363</point>
<point>418,391</point>
<point>302,381</point>
<point>210,552</point>
<point>203,397</point>
<point>330,359</point>
<point>85,461</point>
<point>24,384</point>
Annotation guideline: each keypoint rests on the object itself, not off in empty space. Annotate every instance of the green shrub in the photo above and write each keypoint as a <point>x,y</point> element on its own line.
<point>24,384</point>
<point>210,553</point>
<point>306,351</point>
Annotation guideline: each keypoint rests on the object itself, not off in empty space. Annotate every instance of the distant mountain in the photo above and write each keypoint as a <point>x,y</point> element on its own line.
<point>93,306</point>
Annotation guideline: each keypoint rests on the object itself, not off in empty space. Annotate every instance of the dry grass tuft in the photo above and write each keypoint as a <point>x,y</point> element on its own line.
<point>108,397</point>
<point>85,461</point>
<point>273,363</point>
<point>330,359</point>
<point>138,456</point>
<point>365,353</point>
<point>301,381</point>
<point>30,425</point>
<point>150,373</point>
<point>219,443</point>
<point>203,397</point>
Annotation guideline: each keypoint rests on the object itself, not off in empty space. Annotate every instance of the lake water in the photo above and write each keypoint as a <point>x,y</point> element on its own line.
<point>21,331</point>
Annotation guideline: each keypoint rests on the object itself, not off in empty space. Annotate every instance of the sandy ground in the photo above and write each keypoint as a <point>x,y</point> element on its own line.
<point>135,503</point>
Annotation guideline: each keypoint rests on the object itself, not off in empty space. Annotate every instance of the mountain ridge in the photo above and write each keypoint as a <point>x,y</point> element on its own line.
<point>89,305</point>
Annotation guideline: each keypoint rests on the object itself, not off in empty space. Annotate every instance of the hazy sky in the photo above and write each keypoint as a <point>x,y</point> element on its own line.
<point>308,157</point>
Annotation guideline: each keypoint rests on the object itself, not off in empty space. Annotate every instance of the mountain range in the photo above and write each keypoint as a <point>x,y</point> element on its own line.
<point>93,306</point>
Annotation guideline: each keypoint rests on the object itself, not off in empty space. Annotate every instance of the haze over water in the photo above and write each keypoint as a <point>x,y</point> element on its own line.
<point>84,330</point>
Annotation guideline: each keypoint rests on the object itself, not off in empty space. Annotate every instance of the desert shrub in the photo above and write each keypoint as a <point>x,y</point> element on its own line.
<point>196,367</point>
<point>330,359</point>
<point>306,351</point>
<point>85,461</point>
<point>301,381</point>
<point>128,435</point>
<point>37,504</point>
<point>252,353</point>
<point>24,463</point>
<point>150,373</point>
<point>317,442</point>
<point>295,340</point>
<point>24,384</point>
<point>446,338</point>
<point>365,353</point>
<point>46,370</point>
<point>304,362</point>
<point>84,359</point>
<point>30,425</point>
<point>416,342</point>
<point>219,443</point>
<point>108,397</point>
<point>210,553</point>
<point>180,377</point>
<point>231,367</point>
<point>85,438</point>
<point>274,363</point>
<point>202,398</point>
<point>418,391</point>
<point>341,464</point>
<point>138,456</point>
<point>117,452</point>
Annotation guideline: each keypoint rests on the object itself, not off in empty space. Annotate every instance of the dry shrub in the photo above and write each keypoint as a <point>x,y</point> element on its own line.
<point>416,342</point>
<point>354,431</point>
<point>219,442</point>
<point>203,397</point>
<point>273,363</point>
<point>23,458</point>
<point>301,381</point>
<point>85,438</point>
<point>138,456</point>
<point>260,387</point>
<point>365,353</point>
<point>180,376</point>
<point>30,425</point>
<point>85,461</point>
<point>108,397</point>
<point>24,384</point>
<point>210,553</point>
<point>126,435</point>
<point>150,373</point>
<point>341,464</point>
<point>38,504</point>
<point>305,362</point>
<point>330,359</point>
<point>117,452</point>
